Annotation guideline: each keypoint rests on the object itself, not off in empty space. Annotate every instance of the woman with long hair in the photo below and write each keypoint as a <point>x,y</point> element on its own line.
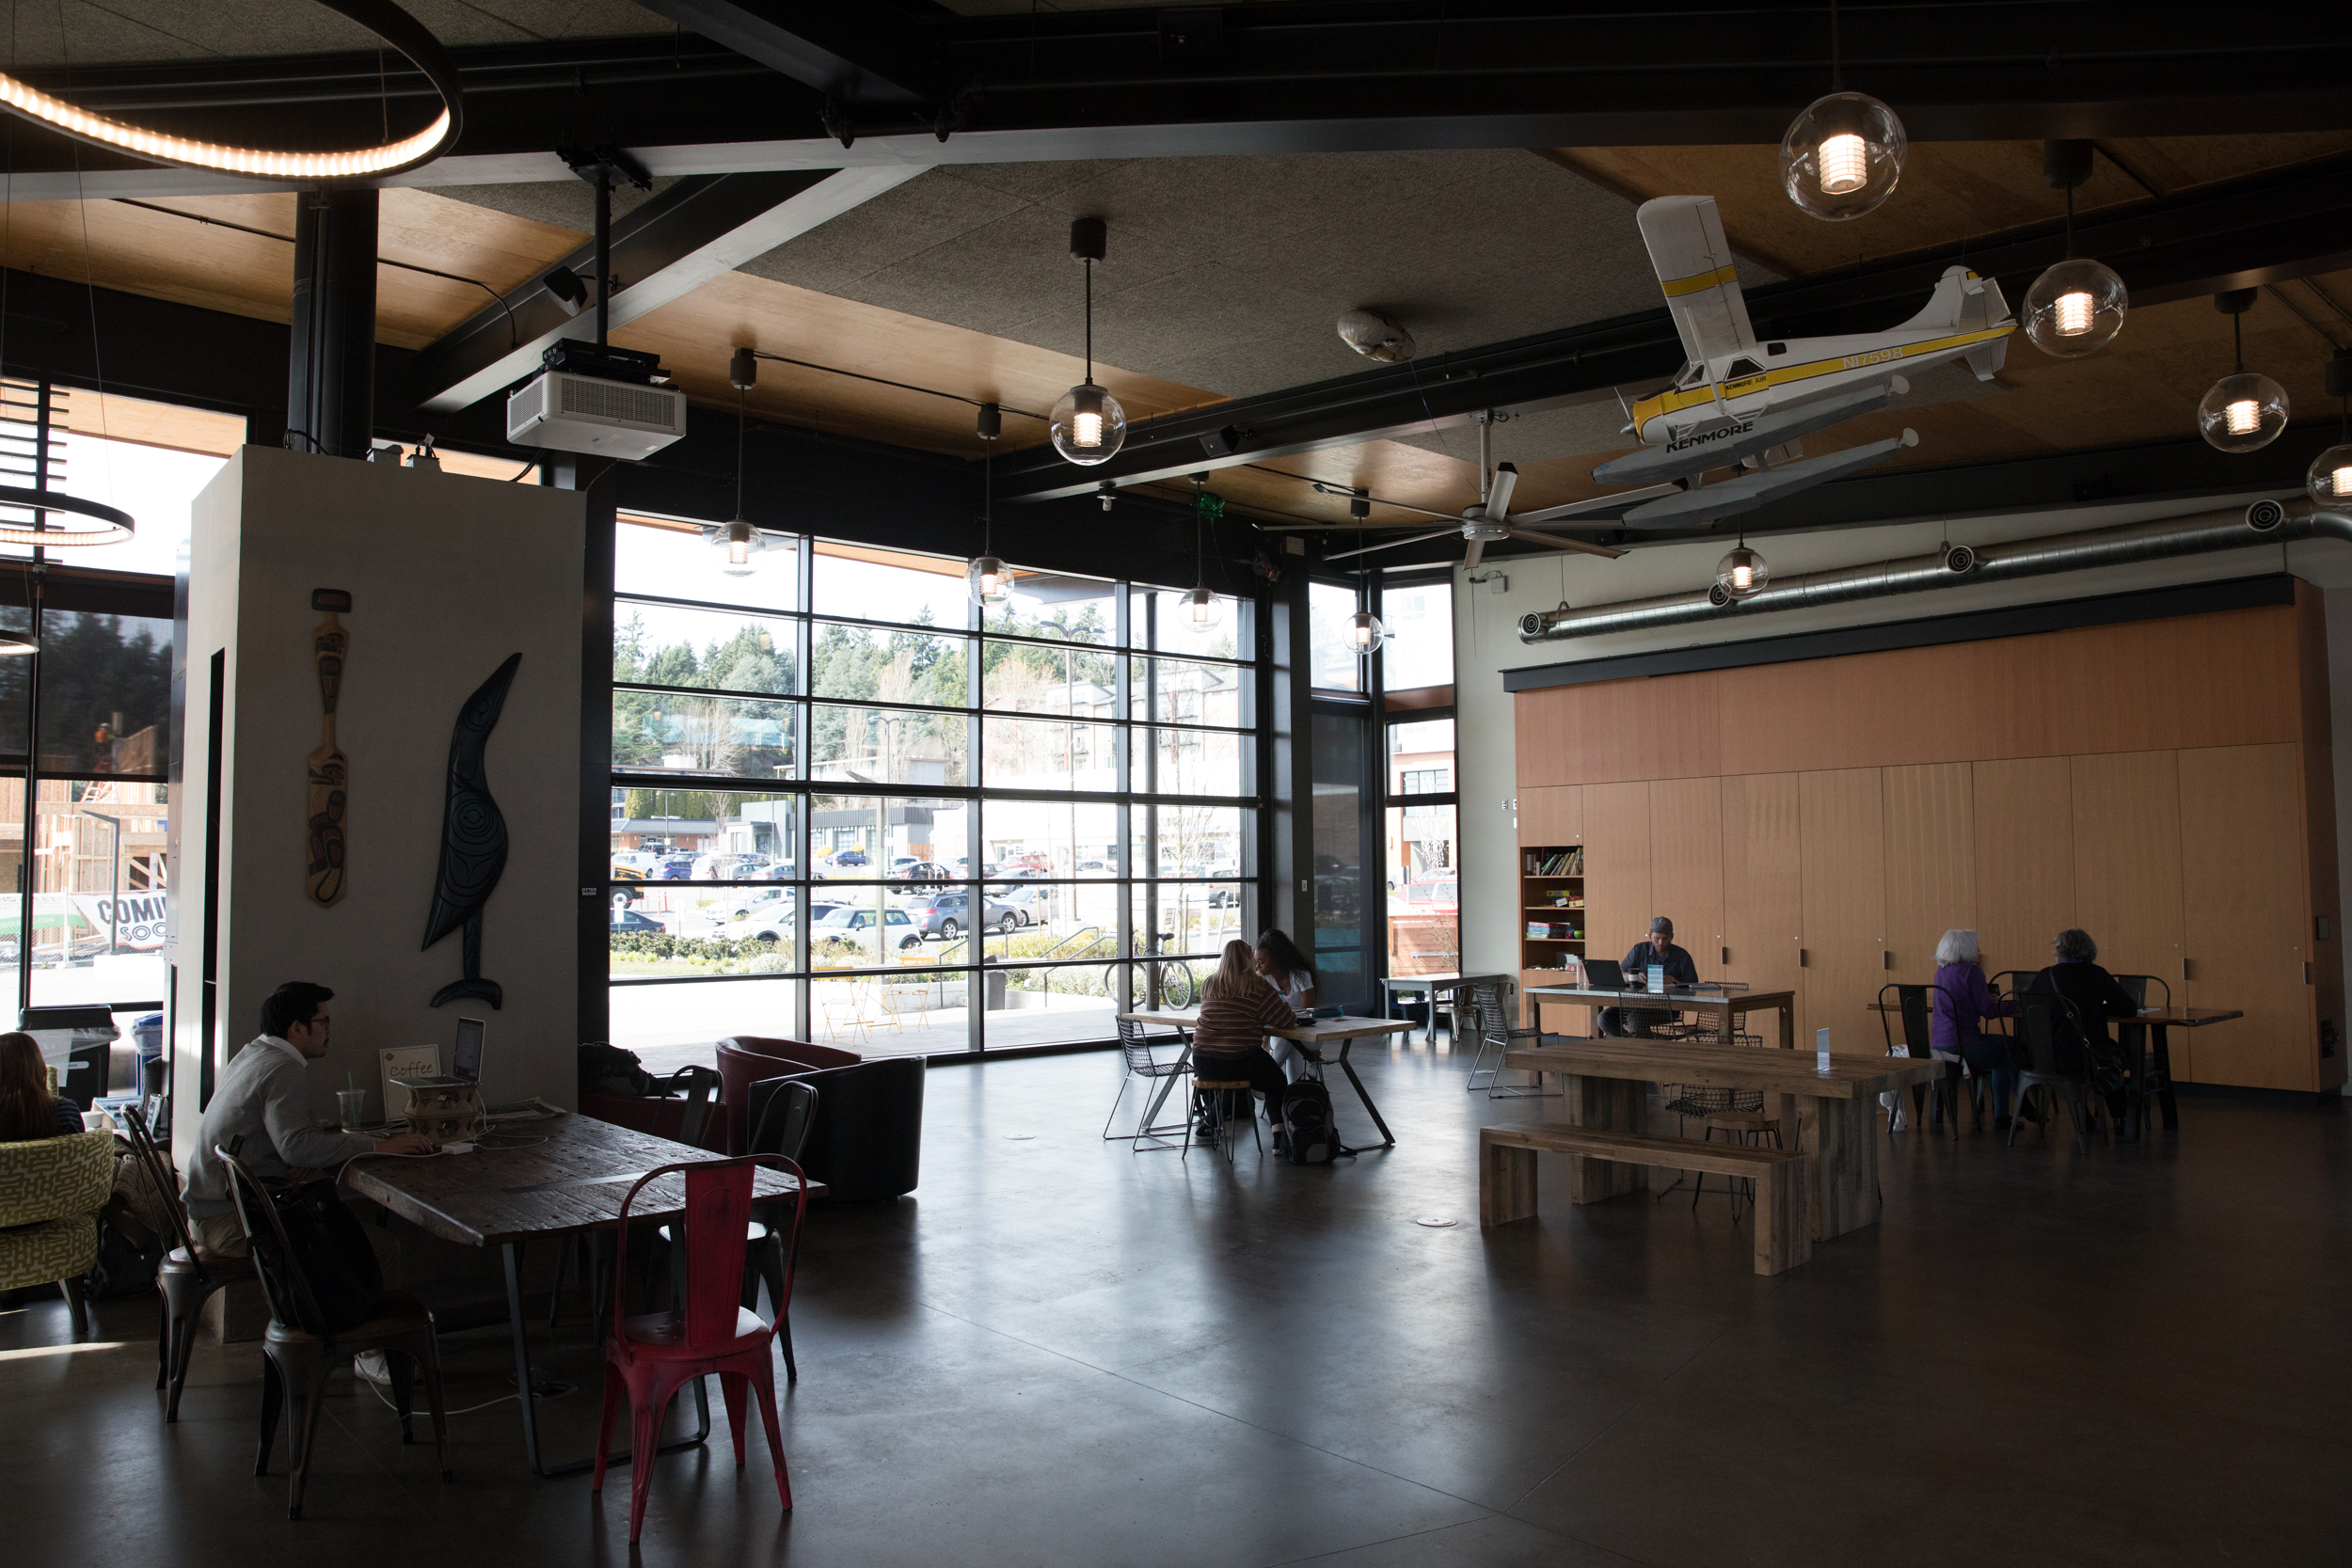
<point>1238,1013</point>
<point>28,1109</point>
<point>1280,964</point>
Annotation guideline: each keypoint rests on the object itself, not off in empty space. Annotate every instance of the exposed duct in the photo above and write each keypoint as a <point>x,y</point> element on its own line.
<point>2199,533</point>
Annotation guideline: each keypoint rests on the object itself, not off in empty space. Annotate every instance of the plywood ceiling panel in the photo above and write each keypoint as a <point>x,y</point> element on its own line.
<point>85,32</point>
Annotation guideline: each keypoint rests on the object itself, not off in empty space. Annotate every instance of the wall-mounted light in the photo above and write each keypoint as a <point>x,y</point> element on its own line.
<point>2241,413</point>
<point>1088,426</point>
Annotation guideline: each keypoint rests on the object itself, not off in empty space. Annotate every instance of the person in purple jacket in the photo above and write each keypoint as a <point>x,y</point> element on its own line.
<point>1962,1002</point>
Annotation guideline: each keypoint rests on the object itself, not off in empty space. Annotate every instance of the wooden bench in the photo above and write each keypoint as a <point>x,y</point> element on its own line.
<point>1784,1181</point>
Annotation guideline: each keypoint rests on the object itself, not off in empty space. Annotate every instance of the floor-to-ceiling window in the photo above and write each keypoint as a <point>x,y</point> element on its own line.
<point>850,807</point>
<point>1422,821</point>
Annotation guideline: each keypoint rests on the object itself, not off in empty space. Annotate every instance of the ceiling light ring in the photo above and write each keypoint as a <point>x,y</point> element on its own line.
<point>398,30</point>
<point>118,524</point>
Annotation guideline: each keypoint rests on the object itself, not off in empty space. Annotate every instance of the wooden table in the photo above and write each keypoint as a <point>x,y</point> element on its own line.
<point>1342,1032</point>
<point>1394,986</point>
<point>1718,1005</point>
<point>2155,1025</point>
<point>1840,1130</point>
<point>569,1184</point>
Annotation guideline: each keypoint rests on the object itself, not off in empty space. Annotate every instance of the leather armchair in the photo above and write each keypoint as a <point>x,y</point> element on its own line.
<point>866,1141</point>
<point>746,1059</point>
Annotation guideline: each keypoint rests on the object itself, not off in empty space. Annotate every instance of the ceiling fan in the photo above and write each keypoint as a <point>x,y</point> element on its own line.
<point>1489,520</point>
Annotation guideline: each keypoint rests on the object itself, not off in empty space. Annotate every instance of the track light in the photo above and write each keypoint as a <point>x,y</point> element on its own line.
<point>569,291</point>
<point>1088,425</point>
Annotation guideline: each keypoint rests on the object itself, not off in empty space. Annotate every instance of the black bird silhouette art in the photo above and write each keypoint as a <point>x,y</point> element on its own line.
<point>473,838</point>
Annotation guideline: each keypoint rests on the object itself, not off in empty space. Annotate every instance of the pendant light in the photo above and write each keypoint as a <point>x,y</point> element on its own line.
<point>1199,612</point>
<point>2242,413</point>
<point>985,579</point>
<point>738,543</point>
<point>1843,155</point>
<point>2076,307</point>
<point>1366,633</point>
<point>1088,426</point>
<point>1742,574</point>
<point>2331,477</point>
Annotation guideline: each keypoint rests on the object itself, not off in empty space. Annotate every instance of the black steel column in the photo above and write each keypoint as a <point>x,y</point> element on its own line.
<point>330,373</point>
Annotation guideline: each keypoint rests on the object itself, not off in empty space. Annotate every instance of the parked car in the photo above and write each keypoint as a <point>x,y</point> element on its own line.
<point>1433,897</point>
<point>920,871</point>
<point>850,857</point>
<point>628,920</point>
<point>949,914</point>
<point>631,865</point>
<point>870,928</point>
<point>675,867</point>
<point>1031,906</point>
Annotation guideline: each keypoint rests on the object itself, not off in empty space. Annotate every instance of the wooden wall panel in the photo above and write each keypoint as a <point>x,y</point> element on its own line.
<point>1842,851</point>
<point>1618,730</point>
<point>2127,859</point>
<point>1763,883</point>
<point>2241,882</point>
<point>1686,858</point>
<point>1866,710</point>
<point>1931,863</point>
<point>1617,897</point>
<point>2024,832</point>
<point>1552,814</point>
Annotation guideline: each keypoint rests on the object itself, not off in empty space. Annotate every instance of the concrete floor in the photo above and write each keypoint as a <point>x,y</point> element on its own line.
<point>1059,1352</point>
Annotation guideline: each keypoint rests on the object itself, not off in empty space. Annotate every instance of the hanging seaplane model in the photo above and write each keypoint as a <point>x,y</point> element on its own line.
<point>1737,403</point>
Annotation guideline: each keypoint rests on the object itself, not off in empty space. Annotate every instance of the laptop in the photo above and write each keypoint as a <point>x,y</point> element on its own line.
<point>1604,974</point>
<point>465,1058</point>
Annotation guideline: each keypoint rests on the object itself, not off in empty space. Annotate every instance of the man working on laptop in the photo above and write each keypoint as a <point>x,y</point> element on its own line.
<point>1658,948</point>
<point>263,1096</point>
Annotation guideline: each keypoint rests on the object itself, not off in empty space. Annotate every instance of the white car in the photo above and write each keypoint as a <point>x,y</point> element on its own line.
<point>869,927</point>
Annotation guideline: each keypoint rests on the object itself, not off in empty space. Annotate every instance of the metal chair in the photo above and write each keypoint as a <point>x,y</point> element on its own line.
<point>1210,1100</point>
<point>297,1363</point>
<point>186,1278</point>
<point>1931,1100</point>
<point>1136,1050</point>
<point>1492,1017</point>
<point>2049,1026</point>
<point>773,1256</point>
<point>2147,1082</point>
<point>650,1358</point>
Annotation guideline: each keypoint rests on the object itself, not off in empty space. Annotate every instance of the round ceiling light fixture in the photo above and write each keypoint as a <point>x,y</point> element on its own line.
<point>388,22</point>
<point>2330,478</point>
<point>1742,574</point>
<point>114,524</point>
<point>1366,634</point>
<point>2077,305</point>
<point>1844,154</point>
<point>2241,413</point>
<point>1088,425</point>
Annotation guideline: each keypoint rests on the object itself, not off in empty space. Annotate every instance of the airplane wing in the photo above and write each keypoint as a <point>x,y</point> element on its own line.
<point>1693,265</point>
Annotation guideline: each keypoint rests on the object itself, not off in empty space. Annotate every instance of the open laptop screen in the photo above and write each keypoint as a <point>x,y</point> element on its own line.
<point>466,1060</point>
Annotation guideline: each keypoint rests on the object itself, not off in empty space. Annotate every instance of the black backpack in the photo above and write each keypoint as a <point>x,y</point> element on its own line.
<point>609,1069</point>
<point>1307,1128</point>
<point>346,1282</point>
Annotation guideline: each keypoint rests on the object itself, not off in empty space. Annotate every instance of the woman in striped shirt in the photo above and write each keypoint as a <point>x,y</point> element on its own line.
<point>1238,1010</point>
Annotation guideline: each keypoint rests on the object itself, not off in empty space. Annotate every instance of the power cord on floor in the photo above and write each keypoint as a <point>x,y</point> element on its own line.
<point>466,1411</point>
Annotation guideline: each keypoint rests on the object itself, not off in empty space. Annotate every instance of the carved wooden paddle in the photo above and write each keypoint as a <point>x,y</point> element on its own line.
<point>329,773</point>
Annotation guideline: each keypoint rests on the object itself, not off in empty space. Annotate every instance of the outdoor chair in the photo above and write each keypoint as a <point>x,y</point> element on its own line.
<point>1137,1055</point>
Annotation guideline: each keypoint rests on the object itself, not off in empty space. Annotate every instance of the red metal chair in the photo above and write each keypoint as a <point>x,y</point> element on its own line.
<point>652,1356</point>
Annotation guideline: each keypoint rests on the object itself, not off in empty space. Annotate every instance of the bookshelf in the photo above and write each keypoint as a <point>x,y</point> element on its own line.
<point>1551,913</point>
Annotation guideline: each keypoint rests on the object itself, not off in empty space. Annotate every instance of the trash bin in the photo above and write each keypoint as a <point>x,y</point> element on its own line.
<point>148,1031</point>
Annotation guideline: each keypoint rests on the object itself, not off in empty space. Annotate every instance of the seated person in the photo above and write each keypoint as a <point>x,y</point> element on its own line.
<point>1238,1011</point>
<point>1657,948</point>
<point>27,1110</point>
<point>264,1096</point>
<point>1961,1001</point>
<point>2096,997</point>
<point>1282,965</point>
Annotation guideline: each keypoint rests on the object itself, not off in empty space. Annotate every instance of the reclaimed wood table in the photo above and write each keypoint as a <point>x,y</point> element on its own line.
<point>1717,1005</point>
<point>1430,987</point>
<point>1313,1036</point>
<point>1834,1110</point>
<point>567,1180</point>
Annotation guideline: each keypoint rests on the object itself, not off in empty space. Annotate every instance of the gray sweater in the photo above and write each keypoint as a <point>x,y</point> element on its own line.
<point>263,1096</point>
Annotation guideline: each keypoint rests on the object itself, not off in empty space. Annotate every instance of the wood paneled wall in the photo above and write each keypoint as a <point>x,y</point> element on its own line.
<point>1817,827</point>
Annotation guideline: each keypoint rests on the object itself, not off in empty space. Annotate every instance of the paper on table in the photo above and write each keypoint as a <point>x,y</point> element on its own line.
<point>418,1061</point>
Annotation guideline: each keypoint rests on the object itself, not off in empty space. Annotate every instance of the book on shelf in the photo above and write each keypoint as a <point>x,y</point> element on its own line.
<point>1549,930</point>
<point>1563,863</point>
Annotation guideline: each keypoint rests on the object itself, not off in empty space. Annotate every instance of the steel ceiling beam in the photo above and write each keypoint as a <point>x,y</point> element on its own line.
<point>2283,224</point>
<point>865,56</point>
<point>693,232</point>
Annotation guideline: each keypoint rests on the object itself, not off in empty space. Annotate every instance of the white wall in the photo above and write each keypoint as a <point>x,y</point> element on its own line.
<point>449,576</point>
<point>1486,642</point>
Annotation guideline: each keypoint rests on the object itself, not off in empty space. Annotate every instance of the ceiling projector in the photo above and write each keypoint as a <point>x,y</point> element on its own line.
<point>591,397</point>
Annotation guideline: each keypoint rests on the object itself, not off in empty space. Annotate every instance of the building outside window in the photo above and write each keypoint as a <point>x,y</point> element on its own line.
<point>1421,826</point>
<point>849,806</point>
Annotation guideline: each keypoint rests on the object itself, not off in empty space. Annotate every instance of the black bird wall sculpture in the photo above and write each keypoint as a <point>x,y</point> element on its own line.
<point>473,838</point>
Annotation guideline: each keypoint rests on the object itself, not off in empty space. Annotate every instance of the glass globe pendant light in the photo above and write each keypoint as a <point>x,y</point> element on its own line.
<point>2076,307</point>
<point>2241,413</point>
<point>1199,612</point>
<point>1843,155</point>
<point>1742,574</point>
<point>739,545</point>
<point>985,579</point>
<point>1366,633</point>
<point>1088,425</point>
<point>2330,479</point>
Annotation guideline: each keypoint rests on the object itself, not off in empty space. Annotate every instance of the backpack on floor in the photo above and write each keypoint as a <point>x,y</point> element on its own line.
<point>1307,1128</point>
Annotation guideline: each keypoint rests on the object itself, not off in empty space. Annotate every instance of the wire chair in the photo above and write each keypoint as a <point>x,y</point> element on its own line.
<point>1137,1049</point>
<point>1493,1020</point>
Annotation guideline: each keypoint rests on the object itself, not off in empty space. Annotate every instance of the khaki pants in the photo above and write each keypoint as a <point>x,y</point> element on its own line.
<point>219,1233</point>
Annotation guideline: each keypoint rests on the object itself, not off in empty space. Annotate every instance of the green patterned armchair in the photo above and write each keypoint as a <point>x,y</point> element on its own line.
<point>50,1192</point>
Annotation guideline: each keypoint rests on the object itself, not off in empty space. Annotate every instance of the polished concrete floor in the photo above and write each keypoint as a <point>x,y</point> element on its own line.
<point>1059,1352</point>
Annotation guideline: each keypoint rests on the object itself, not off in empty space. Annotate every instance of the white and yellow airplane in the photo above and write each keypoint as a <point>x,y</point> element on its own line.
<point>1738,402</point>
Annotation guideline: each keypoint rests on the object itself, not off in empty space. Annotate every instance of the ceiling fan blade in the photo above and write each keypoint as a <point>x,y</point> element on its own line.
<point>1597,503</point>
<point>1562,542</point>
<point>1477,550</point>
<point>1393,543</point>
<point>1499,492</point>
